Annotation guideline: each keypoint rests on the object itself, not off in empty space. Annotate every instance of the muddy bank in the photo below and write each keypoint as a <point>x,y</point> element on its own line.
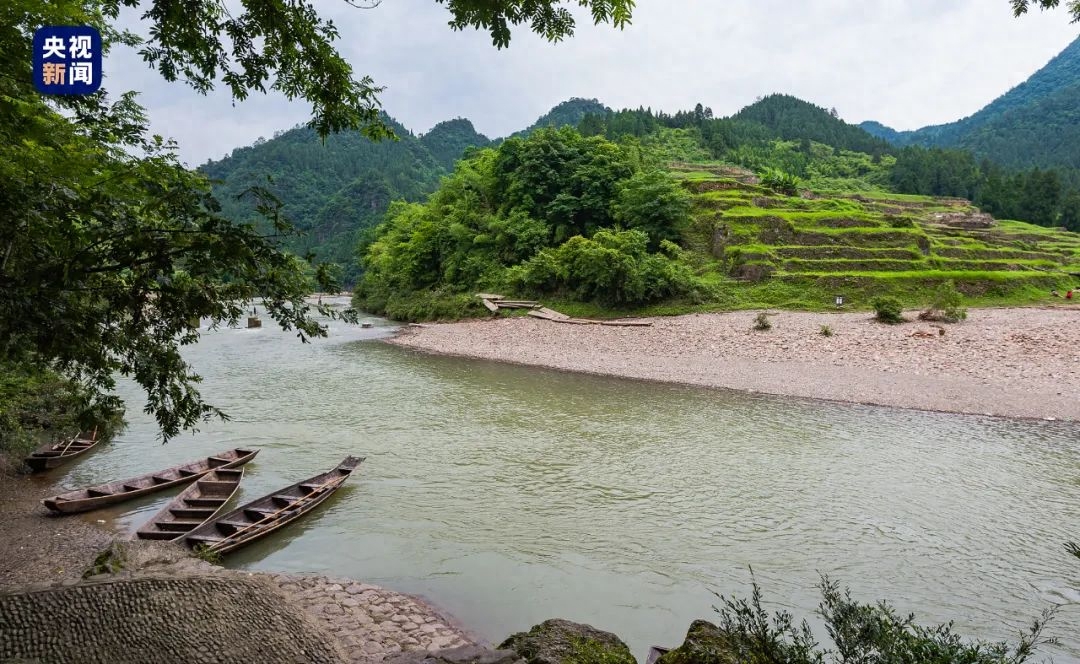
<point>1004,362</point>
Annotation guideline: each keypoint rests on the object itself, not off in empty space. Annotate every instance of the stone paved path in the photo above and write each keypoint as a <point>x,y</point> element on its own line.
<point>370,622</point>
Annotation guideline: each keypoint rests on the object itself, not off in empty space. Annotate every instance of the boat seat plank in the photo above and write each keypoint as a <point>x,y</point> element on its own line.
<point>158,535</point>
<point>158,479</point>
<point>205,502</point>
<point>203,513</point>
<point>206,538</point>
<point>98,493</point>
<point>179,526</point>
<point>131,487</point>
<point>184,472</point>
<point>218,460</point>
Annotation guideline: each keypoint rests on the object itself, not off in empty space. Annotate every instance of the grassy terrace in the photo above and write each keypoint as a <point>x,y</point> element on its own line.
<point>755,248</point>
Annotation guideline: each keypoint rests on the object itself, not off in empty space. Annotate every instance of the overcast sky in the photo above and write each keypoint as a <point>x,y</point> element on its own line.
<point>906,63</point>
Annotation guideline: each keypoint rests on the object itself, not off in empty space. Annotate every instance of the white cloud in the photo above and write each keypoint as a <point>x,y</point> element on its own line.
<point>907,63</point>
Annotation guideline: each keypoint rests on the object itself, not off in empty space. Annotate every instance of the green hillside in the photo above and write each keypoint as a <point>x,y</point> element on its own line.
<point>1037,123</point>
<point>768,249</point>
<point>333,191</point>
<point>598,227</point>
<point>448,140</point>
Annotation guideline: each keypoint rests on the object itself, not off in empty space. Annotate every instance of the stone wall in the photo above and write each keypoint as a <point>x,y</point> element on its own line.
<point>160,619</point>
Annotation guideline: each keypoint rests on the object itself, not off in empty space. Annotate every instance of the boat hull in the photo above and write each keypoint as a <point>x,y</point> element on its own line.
<point>75,505</point>
<point>263,516</point>
<point>54,455</point>
<point>193,506</point>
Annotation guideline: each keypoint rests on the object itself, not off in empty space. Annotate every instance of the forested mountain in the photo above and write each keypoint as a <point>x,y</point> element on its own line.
<point>448,140</point>
<point>791,118</point>
<point>567,114</point>
<point>334,190</point>
<point>1037,123</point>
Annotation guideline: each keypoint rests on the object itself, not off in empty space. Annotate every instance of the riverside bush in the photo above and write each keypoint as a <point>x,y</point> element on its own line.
<point>865,633</point>
<point>37,404</point>
<point>946,306</point>
<point>888,310</point>
<point>612,267</point>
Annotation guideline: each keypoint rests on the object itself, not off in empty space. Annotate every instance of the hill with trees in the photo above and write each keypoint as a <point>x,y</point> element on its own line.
<point>566,114</point>
<point>1036,124</point>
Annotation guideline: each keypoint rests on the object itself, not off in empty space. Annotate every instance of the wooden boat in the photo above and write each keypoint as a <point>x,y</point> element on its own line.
<point>193,506</point>
<point>57,454</point>
<point>82,500</point>
<point>269,513</point>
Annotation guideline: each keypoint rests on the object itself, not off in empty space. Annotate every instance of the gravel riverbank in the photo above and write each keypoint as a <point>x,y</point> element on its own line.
<point>1007,362</point>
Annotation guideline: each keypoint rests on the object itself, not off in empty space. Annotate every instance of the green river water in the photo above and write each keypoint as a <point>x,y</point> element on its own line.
<point>507,495</point>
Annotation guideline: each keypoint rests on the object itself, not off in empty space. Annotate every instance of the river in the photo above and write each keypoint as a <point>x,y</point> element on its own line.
<point>507,495</point>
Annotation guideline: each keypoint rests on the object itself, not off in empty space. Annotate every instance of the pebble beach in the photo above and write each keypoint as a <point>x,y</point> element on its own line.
<point>1010,362</point>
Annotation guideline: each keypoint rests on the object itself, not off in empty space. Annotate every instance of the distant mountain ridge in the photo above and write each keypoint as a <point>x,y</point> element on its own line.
<point>1037,123</point>
<point>336,190</point>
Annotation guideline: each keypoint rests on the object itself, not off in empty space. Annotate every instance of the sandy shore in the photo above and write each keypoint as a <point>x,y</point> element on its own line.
<point>1004,362</point>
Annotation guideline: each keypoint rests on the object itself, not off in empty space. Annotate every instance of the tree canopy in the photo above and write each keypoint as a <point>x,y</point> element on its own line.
<point>111,251</point>
<point>289,47</point>
<point>1020,7</point>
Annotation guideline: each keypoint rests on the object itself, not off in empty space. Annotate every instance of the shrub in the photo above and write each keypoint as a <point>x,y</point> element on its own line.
<point>612,267</point>
<point>888,310</point>
<point>762,322</point>
<point>869,633</point>
<point>826,331</point>
<point>946,306</point>
<point>778,180</point>
<point>38,404</point>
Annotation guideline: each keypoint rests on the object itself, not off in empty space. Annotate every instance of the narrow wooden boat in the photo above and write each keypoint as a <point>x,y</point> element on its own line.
<point>269,513</point>
<point>57,454</point>
<point>82,500</point>
<point>193,506</point>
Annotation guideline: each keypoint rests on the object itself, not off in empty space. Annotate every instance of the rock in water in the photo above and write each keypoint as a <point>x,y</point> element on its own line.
<point>563,642</point>
<point>705,644</point>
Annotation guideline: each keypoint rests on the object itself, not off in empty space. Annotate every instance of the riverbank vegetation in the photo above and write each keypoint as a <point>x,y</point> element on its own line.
<point>38,403</point>
<point>602,225</point>
<point>747,632</point>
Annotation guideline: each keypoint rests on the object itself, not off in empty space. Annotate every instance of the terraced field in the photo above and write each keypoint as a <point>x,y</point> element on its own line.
<point>801,251</point>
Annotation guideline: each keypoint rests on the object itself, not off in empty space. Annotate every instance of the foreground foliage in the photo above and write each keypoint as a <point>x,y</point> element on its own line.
<point>746,632</point>
<point>36,404</point>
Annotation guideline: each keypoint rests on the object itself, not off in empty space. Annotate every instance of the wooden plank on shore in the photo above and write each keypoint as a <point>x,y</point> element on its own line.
<point>551,314</point>
<point>626,323</point>
<point>491,306</point>
<point>547,315</point>
<point>510,304</point>
<point>489,296</point>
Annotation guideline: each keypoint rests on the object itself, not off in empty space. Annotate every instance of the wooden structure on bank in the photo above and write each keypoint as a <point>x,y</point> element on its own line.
<point>269,513</point>
<point>495,303</point>
<point>82,500</point>
<point>57,454</point>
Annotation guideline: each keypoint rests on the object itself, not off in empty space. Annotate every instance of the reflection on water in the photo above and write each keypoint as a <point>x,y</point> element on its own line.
<point>508,495</point>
